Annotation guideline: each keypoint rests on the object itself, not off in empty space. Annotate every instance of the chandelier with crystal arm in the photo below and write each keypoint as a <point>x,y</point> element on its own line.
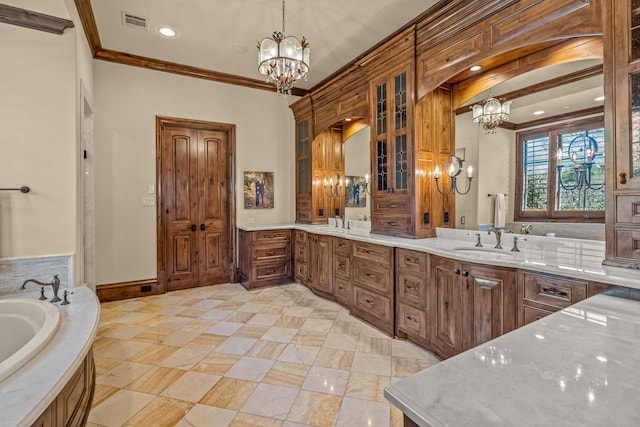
<point>282,59</point>
<point>491,113</point>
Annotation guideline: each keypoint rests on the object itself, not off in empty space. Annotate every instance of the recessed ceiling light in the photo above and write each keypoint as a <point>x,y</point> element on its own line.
<point>537,113</point>
<point>167,32</point>
<point>475,68</point>
<point>348,119</point>
<point>566,107</point>
<point>598,99</point>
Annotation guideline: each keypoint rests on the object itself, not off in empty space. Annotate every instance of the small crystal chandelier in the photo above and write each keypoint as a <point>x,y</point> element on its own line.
<point>283,60</point>
<point>490,113</point>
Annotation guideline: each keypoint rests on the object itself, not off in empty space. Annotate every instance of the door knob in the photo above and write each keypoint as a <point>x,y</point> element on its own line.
<point>193,227</point>
<point>202,227</point>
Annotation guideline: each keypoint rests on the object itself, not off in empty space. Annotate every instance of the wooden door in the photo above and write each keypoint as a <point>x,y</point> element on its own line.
<point>321,277</point>
<point>494,302</point>
<point>179,177</point>
<point>448,299</point>
<point>195,211</point>
<point>213,208</point>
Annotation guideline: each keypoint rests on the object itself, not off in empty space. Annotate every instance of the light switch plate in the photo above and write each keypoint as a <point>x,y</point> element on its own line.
<point>151,189</point>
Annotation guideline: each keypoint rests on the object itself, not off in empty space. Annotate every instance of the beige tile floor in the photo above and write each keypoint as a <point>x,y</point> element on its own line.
<point>224,356</point>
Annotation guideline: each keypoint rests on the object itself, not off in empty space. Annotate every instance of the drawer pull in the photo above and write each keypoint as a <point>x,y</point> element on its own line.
<point>412,319</point>
<point>486,284</point>
<point>393,206</point>
<point>555,292</point>
<point>456,271</point>
<point>407,287</point>
<point>270,236</point>
<point>271,253</point>
<point>392,223</point>
<point>342,288</point>
<point>465,273</point>
<point>370,252</point>
<point>341,265</point>
<point>369,302</point>
<point>410,260</point>
<point>372,276</point>
<point>342,245</point>
<point>270,271</point>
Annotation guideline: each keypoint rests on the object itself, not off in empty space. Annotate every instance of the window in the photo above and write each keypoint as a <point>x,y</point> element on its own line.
<point>561,173</point>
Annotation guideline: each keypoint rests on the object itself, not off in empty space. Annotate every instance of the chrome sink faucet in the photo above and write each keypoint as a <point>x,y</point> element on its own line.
<point>498,233</point>
<point>55,284</point>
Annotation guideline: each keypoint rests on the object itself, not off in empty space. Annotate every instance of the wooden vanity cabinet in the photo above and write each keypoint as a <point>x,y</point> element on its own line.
<point>470,304</point>
<point>372,285</point>
<point>412,275</point>
<point>622,121</point>
<point>265,258</point>
<point>321,265</point>
<point>301,257</point>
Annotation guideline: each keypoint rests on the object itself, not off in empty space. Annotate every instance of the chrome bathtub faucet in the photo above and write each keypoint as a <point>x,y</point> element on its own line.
<point>55,284</point>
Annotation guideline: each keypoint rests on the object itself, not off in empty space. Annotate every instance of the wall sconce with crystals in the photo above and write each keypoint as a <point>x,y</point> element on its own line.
<point>453,168</point>
<point>335,188</point>
<point>582,151</point>
<point>490,113</point>
<point>283,60</point>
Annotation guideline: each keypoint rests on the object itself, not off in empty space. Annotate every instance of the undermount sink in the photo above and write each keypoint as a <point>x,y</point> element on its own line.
<point>489,253</point>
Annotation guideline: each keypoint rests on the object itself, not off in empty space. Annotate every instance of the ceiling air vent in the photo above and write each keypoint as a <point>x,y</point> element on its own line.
<point>134,21</point>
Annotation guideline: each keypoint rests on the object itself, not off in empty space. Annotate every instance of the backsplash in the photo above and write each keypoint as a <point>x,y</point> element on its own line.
<point>14,271</point>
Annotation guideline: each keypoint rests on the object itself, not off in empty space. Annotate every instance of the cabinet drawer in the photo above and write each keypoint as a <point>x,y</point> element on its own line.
<point>381,255</point>
<point>531,314</point>
<point>271,251</point>
<point>373,307</point>
<point>301,237</point>
<point>553,291</point>
<point>272,271</point>
<point>342,246</point>
<point>302,251</point>
<point>373,277</point>
<point>392,224</point>
<point>398,205</point>
<point>412,289</point>
<point>628,209</point>
<point>271,235</point>
<point>342,266</point>
<point>412,321</point>
<point>301,272</point>
<point>411,261</point>
<point>343,292</point>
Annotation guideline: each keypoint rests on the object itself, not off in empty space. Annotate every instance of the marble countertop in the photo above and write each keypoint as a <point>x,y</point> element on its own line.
<point>26,393</point>
<point>576,258</point>
<point>576,367</point>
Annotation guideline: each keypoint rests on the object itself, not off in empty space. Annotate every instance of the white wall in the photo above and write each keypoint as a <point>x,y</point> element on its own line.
<point>39,83</point>
<point>127,101</point>
<point>356,163</point>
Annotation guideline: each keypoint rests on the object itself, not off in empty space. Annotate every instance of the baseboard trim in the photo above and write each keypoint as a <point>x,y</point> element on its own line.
<point>126,290</point>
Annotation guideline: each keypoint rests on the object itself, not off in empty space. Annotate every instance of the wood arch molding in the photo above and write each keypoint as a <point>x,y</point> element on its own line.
<point>512,29</point>
<point>229,257</point>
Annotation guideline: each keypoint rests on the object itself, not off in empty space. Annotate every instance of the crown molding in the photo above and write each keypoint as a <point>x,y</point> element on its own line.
<point>33,20</point>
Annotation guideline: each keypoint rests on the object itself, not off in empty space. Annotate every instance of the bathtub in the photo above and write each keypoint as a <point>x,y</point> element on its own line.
<point>26,326</point>
<point>28,392</point>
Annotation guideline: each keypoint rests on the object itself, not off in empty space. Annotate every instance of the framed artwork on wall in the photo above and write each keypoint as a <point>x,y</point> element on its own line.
<point>258,190</point>
<point>354,194</point>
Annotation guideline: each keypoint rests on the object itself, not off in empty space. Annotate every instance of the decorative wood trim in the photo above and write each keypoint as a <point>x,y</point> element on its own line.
<point>89,25</point>
<point>125,290</point>
<point>93,38</point>
<point>554,119</point>
<point>570,50</point>
<point>230,130</point>
<point>33,20</point>
<point>545,85</point>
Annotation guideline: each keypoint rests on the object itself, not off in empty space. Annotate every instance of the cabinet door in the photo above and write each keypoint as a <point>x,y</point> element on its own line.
<point>322,264</point>
<point>448,297</point>
<point>494,305</point>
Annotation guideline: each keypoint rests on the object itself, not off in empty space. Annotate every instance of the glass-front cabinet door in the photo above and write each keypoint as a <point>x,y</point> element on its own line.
<point>390,132</point>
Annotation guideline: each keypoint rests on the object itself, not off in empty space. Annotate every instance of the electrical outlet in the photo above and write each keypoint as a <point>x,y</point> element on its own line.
<point>462,219</point>
<point>147,201</point>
